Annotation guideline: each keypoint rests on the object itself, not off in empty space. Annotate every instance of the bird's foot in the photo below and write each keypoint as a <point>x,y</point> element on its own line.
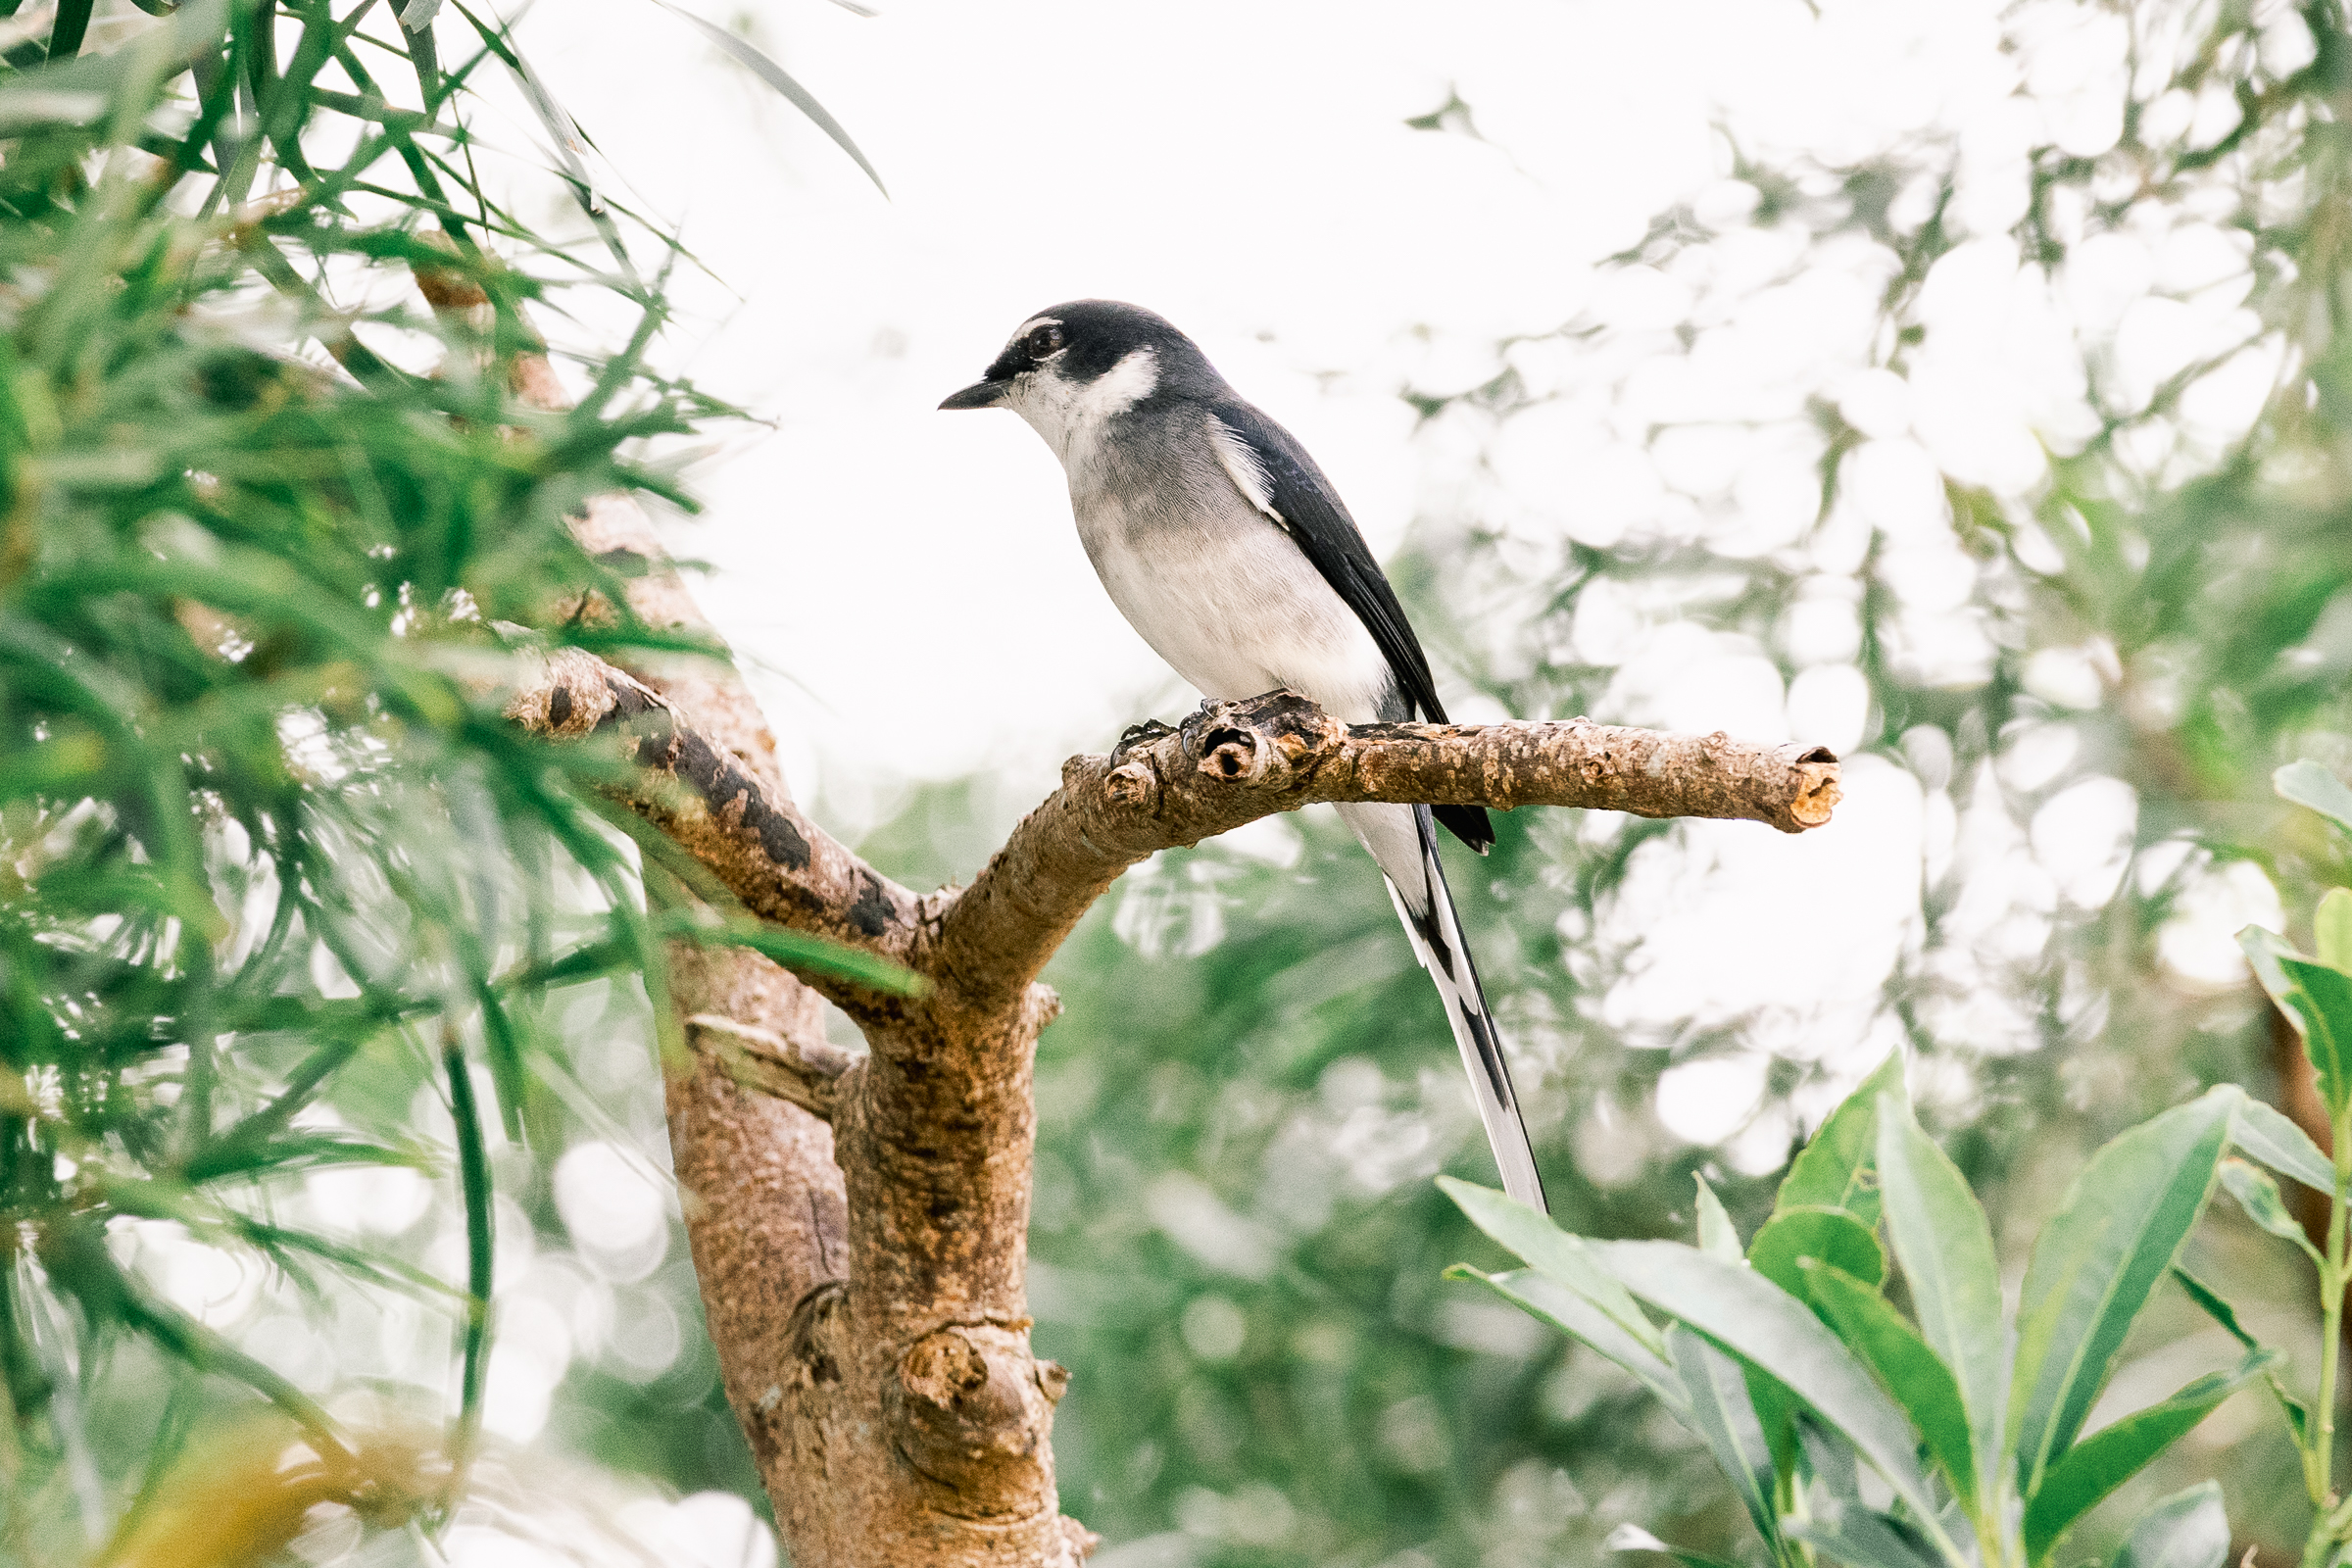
<point>1137,736</point>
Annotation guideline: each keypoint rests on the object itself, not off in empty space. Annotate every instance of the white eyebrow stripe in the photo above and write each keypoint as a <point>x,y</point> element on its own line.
<point>1240,466</point>
<point>1032,324</point>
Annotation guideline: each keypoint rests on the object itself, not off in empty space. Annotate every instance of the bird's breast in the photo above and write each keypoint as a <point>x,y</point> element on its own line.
<point>1219,591</point>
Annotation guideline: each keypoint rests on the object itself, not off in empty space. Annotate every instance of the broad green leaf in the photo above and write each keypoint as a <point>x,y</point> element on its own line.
<point>2116,1233</point>
<point>2186,1530</point>
<point>2322,996</point>
<point>1755,1319</point>
<point>1716,1234</point>
<point>1581,1320</point>
<point>1864,1538</point>
<point>1875,1331</point>
<point>759,64</point>
<point>2103,1461</point>
<point>1832,1235</point>
<point>2298,1414</point>
<point>2307,783</point>
<point>1720,1412</point>
<point>1837,1166</point>
<point>2267,1133</point>
<point>1944,1243</point>
<point>1555,1253</point>
<point>2258,1196</point>
<point>2331,929</point>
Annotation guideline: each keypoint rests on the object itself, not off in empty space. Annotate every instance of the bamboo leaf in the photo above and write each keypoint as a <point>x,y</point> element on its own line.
<point>2297,1413</point>
<point>2117,1232</point>
<point>741,51</point>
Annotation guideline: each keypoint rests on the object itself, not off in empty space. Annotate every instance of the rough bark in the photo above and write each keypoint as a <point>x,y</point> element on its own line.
<point>860,1227</point>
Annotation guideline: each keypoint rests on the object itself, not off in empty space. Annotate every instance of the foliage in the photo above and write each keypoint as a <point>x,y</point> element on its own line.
<point>280,890</point>
<point>1796,1368</point>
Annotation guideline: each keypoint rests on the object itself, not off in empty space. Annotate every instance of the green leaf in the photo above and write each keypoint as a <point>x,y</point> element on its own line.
<point>2258,1196</point>
<point>1719,1411</point>
<point>1747,1314</point>
<point>2298,1414</point>
<point>1832,1235</point>
<point>1909,1370</point>
<point>2117,1232</point>
<point>1864,1538</point>
<point>2332,928</point>
<point>1555,1253</point>
<point>2094,1467</point>
<point>2263,948</point>
<point>1837,1166</point>
<point>795,950</point>
<point>759,64</point>
<point>1633,1538</point>
<point>2186,1530</point>
<point>2307,783</point>
<point>2267,1133</point>
<point>2322,996</point>
<point>1716,1234</point>
<point>1944,1243</point>
<point>1573,1316</point>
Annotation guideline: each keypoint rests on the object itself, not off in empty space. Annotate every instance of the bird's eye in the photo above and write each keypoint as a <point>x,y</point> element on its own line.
<point>1045,340</point>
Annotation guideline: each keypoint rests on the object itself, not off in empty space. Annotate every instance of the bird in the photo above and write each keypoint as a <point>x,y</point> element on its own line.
<point>1224,545</point>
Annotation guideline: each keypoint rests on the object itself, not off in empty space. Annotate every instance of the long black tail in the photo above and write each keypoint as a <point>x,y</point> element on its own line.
<point>1408,852</point>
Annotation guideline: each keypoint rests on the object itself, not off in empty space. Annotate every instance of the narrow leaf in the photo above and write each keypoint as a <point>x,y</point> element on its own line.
<point>1716,1234</point>
<point>1555,1253</point>
<point>2094,1467</point>
<point>759,64</point>
<point>2118,1232</point>
<point>1721,1413</point>
<point>1633,1538</point>
<point>1581,1320</point>
<point>2322,996</point>
<point>1838,1168</point>
<point>1944,1243</point>
<point>2186,1530</point>
<point>1863,1538</point>
<point>2298,1414</point>
<point>2263,948</point>
<point>1755,1319</point>
<point>2258,1196</point>
<point>1875,1331</point>
<point>2307,783</point>
<point>2267,1133</point>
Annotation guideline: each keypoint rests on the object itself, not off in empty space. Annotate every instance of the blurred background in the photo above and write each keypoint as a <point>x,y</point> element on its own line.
<point>1956,387</point>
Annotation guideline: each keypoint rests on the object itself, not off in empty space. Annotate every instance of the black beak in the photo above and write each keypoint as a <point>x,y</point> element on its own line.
<point>979,395</point>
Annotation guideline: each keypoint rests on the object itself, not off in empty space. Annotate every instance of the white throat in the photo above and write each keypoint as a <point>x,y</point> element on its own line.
<point>1070,414</point>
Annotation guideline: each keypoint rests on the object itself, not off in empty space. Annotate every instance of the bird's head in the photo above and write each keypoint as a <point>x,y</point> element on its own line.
<point>1073,367</point>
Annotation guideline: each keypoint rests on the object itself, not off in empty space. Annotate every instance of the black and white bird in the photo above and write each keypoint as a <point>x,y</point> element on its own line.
<point>1225,546</point>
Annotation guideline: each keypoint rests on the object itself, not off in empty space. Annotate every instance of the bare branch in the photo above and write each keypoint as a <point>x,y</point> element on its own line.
<point>1233,763</point>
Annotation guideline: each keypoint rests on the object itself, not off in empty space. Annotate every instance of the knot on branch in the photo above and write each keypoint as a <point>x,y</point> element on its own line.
<point>1260,740</point>
<point>970,1410</point>
<point>805,1071</point>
